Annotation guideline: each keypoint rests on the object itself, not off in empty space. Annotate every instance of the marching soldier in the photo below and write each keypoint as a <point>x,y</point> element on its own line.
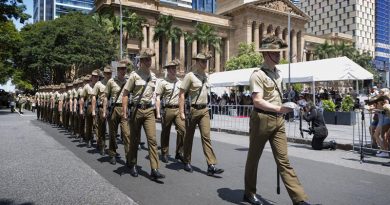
<point>70,107</point>
<point>37,101</point>
<point>196,84</point>
<point>114,91</point>
<point>168,90</point>
<point>67,105</point>
<point>76,112</point>
<point>81,127</point>
<point>98,91</point>
<point>61,97</point>
<point>86,102</point>
<point>141,85</point>
<point>267,124</point>
<point>56,96</point>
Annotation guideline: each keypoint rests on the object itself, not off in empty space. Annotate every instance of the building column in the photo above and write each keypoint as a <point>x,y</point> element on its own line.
<point>257,36</point>
<point>287,52</point>
<point>169,52</point>
<point>294,47</point>
<point>182,52</point>
<point>249,31</point>
<point>145,40</point>
<point>151,46</point>
<point>217,61</point>
<point>280,35</point>
<point>227,49</point>
<point>194,50</point>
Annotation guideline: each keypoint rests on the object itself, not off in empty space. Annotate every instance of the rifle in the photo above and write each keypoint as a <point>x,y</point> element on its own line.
<point>187,110</point>
<point>112,108</point>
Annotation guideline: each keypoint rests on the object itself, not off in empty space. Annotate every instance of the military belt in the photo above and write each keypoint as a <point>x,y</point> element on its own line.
<point>171,106</point>
<point>144,106</point>
<point>199,106</point>
<point>268,112</point>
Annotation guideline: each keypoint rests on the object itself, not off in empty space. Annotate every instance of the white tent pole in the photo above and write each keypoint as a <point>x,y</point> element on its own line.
<point>357,86</point>
<point>313,92</point>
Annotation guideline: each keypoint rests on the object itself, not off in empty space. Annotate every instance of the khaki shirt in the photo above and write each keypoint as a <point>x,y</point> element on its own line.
<point>79,91</point>
<point>56,96</point>
<point>86,92</point>
<point>260,83</point>
<point>69,95</point>
<point>63,96</point>
<point>75,94</point>
<point>135,85</point>
<point>192,83</point>
<point>169,91</point>
<point>98,90</point>
<point>113,86</point>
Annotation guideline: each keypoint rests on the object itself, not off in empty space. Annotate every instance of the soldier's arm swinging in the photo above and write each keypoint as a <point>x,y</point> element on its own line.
<point>125,99</point>
<point>104,107</point>
<point>93,105</point>
<point>158,106</point>
<point>81,105</point>
<point>181,104</point>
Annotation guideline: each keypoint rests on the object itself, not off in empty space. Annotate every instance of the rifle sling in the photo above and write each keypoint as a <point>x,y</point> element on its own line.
<point>117,96</point>
<point>142,93</point>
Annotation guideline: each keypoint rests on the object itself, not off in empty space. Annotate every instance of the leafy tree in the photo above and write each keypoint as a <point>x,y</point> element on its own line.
<point>165,31</point>
<point>344,49</point>
<point>205,34</point>
<point>60,50</point>
<point>283,61</point>
<point>13,9</point>
<point>132,24</point>
<point>247,58</point>
<point>325,50</point>
<point>9,41</point>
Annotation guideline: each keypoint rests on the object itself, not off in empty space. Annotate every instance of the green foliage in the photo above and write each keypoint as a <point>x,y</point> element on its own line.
<point>247,58</point>
<point>13,9</point>
<point>52,51</point>
<point>205,34</point>
<point>283,61</point>
<point>347,104</point>
<point>165,29</point>
<point>9,41</point>
<point>133,25</point>
<point>329,105</point>
<point>298,87</point>
<point>19,81</point>
<point>325,50</point>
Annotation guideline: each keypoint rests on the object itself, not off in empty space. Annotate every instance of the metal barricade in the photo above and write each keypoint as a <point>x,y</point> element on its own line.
<point>230,118</point>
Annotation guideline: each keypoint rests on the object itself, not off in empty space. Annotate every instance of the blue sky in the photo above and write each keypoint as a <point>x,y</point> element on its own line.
<point>29,6</point>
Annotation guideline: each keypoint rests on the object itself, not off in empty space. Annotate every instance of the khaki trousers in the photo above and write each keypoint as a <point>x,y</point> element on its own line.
<point>172,116</point>
<point>89,123</point>
<point>71,121</point>
<point>199,117</point>
<point>76,124</point>
<point>100,130</point>
<point>263,128</point>
<point>82,125</point>
<point>116,120</point>
<point>147,119</point>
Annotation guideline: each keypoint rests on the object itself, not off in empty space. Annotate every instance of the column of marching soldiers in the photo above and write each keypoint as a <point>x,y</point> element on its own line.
<point>133,101</point>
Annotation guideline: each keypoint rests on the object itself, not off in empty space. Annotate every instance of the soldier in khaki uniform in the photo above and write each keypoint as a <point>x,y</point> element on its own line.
<point>61,96</point>
<point>196,85</point>
<point>168,89</point>
<point>267,124</point>
<point>37,101</point>
<point>114,91</point>
<point>76,117</point>
<point>56,97</point>
<point>141,85</point>
<point>86,101</point>
<point>98,91</point>
<point>81,127</point>
<point>67,105</point>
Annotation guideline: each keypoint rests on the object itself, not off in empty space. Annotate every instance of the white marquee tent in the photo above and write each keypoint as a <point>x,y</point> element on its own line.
<point>333,69</point>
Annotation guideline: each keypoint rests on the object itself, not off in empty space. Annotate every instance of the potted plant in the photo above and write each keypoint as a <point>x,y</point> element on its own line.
<point>346,116</point>
<point>329,111</point>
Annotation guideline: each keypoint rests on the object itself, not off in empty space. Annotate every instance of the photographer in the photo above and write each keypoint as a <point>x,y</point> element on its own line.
<point>318,128</point>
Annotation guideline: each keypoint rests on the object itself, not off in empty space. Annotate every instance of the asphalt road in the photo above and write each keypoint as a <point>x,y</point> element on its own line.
<point>40,164</point>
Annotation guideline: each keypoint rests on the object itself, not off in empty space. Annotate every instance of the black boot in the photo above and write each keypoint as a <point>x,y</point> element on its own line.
<point>179,157</point>
<point>112,160</point>
<point>155,174</point>
<point>133,171</point>
<point>164,158</point>
<point>333,145</point>
<point>213,170</point>
<point>188,167</point>
<point>252,199</point>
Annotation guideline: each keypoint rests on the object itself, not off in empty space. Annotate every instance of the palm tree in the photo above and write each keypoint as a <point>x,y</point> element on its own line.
<point>165,31</point>
<point>343,50</point>
<point>325,50</point>
<point>205,34</point>
<point>110,24</point>
<point>132,24</point>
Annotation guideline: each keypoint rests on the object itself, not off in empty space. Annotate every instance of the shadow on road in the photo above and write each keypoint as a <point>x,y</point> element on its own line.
<point>11,202</point>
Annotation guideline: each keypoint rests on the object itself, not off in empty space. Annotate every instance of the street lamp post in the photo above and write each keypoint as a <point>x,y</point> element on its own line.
<point>289,48</point>
<point>120,37</point>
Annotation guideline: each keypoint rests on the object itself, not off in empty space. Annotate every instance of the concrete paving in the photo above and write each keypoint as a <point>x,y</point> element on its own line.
<point>329,177</point>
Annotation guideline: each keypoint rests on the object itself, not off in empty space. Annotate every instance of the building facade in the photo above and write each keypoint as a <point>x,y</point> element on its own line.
<point>353,17</point>
<point>204,5</point>
<point>382,35</point>
<point>45,10</point>
<point>235,21</point>
<point>182,3</point>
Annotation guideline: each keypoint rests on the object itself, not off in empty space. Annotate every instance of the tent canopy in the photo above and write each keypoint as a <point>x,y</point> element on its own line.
<point>333,69</point>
